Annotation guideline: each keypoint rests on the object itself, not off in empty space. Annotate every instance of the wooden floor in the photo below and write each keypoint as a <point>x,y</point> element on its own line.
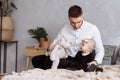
<point>1,75</point>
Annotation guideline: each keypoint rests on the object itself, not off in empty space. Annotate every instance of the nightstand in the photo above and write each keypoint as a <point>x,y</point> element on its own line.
<point>31,52</point>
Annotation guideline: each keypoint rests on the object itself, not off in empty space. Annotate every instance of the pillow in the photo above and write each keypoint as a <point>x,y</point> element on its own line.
<point>109,53</point>
<point>117,56</point>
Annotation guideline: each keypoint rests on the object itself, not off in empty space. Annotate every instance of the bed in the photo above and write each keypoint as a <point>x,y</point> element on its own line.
<point>109,73</point>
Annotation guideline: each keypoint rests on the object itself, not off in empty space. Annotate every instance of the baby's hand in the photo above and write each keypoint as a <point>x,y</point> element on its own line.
<point>92,62</point>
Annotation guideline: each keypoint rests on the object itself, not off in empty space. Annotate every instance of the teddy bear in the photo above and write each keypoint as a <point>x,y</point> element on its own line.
<point>58,52</point>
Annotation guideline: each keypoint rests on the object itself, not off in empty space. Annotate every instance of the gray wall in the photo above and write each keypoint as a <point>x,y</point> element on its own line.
<point>52,14</point>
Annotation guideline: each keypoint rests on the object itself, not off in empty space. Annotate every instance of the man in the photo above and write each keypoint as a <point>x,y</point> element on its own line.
<point>74,32</point>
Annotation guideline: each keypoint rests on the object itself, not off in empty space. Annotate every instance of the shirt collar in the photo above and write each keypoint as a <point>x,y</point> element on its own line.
<point>83,23</point>
<point>82,26</point>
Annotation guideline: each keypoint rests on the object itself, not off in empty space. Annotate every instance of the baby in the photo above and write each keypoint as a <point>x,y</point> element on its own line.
<point>84,56</point>
<point>87,46</point>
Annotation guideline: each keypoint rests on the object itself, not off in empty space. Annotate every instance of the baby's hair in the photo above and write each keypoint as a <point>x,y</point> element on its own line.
<point>90,42</point>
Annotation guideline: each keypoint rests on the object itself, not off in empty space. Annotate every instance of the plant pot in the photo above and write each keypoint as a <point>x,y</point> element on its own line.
<point>7,29</point>
<point>43,43</point>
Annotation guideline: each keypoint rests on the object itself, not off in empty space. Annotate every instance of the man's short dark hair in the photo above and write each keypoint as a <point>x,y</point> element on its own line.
<point>75,11</point>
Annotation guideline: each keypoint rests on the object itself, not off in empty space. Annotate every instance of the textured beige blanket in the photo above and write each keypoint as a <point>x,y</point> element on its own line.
<point>109,73</point>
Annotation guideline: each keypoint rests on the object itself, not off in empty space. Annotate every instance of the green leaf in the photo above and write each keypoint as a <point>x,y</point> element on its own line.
<point>38,33</point>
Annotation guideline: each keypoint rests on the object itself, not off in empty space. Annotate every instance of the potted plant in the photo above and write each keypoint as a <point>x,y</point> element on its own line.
<point>7,7</point>
<point>40,35</point>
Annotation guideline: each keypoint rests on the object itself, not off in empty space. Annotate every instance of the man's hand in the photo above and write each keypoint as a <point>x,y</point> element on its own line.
<point>66,56</point>
<point>51,47</point>
<point>92,62</point>
<point>59,43</point>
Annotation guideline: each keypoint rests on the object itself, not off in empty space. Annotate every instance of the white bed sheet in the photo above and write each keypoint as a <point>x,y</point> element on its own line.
<point>109,73</point>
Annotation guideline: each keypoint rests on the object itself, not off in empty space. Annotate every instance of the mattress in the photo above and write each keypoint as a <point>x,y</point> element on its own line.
<point>109,73</point>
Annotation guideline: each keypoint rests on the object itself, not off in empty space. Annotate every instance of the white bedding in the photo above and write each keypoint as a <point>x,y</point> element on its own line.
<point>109,73</point>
